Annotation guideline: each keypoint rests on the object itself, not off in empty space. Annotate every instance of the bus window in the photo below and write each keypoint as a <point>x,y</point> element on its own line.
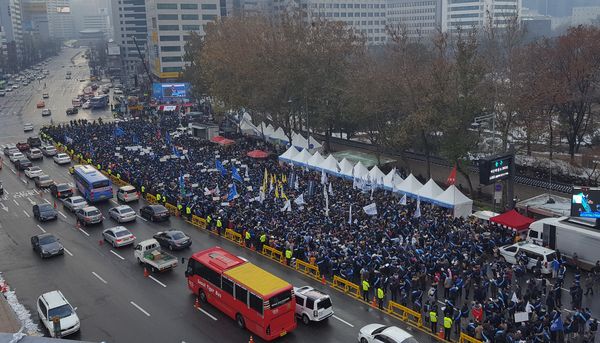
<point>241,294</point>
<point>280,299</point>
<point>256,303</point>
<point>227,285</point>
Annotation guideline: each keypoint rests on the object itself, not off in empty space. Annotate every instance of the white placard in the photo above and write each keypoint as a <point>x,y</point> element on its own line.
<point>521,317</point>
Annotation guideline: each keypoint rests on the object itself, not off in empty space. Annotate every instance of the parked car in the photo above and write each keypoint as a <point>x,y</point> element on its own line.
<point>122,214</point>
<point>34,154</point>
<point>72,110</point>
<point>127,194</point>
<point>54,304</point>
<point>46,112</point>
<point>45,95</point>
<point>27,127</point>
<point>33,171</point>
<point>312,305</point>
<point>118,236</point>
<point>89,215</point>
<point>43,181</point>
<point>154,213</point>
<point>378,333</point>
<point>34,142</point>
<point>23,146</point>
<point>173,239</point>
<point>43,212</point>
<point>61,190</point>
<point>74,203</point>
<point>46,245</point>
<point>2,93</point>
<point>62,158</point>
<point>49,150</point>
<point>23,164</point>
<point>510,253</point>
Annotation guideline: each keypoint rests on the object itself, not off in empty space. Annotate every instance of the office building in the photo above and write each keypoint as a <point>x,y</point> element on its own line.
<point>35,18</point>
<point>418,18</point>
<point>10,22</point>
<point>170,23</point>
<point>91,15</point>
<point>129,21</point>
<point>587,15</point>
<point>468,14</point>
<point>60,19</point>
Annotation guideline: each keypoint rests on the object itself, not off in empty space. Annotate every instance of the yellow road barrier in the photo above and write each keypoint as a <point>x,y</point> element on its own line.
<point>172,210</point>
<point>405,314</point>
<point>198,222</point>
<point>346,286</point>
<point>150,198</point>
<point>273,254</point>
<point>308,269</point>
<point>234,237</point>
<point>466,338</point>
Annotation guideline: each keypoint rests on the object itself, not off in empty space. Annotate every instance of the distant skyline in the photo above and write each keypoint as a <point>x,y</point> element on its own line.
<point>558,8</point>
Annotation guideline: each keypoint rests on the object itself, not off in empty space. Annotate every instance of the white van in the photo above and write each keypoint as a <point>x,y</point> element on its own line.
<point>532,251</point>
<point>312,305</point>
<point>54,305</point>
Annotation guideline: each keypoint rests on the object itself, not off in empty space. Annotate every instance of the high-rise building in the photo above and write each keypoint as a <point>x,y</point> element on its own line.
<point>10,21</point>
<point>60,19</point>
<point>585,15</point>
<point>468,14</point>
<point>170,23</point>
<point>417,18</point>
<point>35,18</point>
<point>129,21</point>
<point>91,15</point>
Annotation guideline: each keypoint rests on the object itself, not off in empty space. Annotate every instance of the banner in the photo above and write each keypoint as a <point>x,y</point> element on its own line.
<point>371,209</point>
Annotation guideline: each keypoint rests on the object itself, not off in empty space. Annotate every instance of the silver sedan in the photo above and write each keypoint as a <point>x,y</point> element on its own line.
<point>74,203</point>
<point>122,214</point>
<point>118,236</point>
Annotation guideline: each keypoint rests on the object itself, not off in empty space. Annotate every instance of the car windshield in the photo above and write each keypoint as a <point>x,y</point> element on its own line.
<point>61,311</point>
<point>122,233</point>
<point>78,201</point>
<point>177,235</point>
<point>47,240</point>
<point>93,213</point>
<point>376,331</point>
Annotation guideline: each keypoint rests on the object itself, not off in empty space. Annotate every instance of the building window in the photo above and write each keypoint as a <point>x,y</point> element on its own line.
<point>170,48</point>
<point>168,17</point>
<point>168,27</point>
<point>209,17</point>
<point>171,69</point>
<point>209,6</point>
<point>170,38</point>
<point>190,27</point>
<point>189,6</point>
<point>160,6</point>
<point>171,59</point>
<point>189,17</point>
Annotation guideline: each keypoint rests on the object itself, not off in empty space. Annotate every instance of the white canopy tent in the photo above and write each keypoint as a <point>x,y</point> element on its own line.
<point>410,186</point>
<point>279,135</point>
<point>330,165</point>
<point>346,168</point>
<point>315,161</point>
<point>376,175</point>
<point>391,179</point>
<point>453,198</point>
<point>299,141</point>
<point>430,191</point>
<point>289,154</point>
<point>301,158</point>
<point>360,171</point>
<point>314,144</point>
<point>267,130</point>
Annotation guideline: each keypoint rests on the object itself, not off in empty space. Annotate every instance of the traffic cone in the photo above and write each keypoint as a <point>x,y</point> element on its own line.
<point>374,303</point>
<point>146,272</point>
<point>251,340</point>
<point>323,281</point>
<point>441,334</point>
<point>54,204</point>
<point>197,304</point>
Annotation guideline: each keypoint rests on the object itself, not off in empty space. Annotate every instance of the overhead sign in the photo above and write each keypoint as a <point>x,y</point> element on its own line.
<point>495,169</point>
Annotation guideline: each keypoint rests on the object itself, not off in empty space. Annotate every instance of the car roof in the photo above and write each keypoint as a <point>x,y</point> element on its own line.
<point>90,208</point>
<point>62,185</point>
<point>123,207</point>
<point>76,197</point>
<point>157,207</point>
<point>535,248</point>
<point>118,228</point>
<point>127,188</point>
<point>54,299</point>
<point>396,333</point>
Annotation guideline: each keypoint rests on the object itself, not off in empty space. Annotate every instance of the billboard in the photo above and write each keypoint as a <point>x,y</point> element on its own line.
<point>63,9</point>
<point>114,50</point>
<point>170,90</point>
<point>585,202</point>
<point>495,169</point>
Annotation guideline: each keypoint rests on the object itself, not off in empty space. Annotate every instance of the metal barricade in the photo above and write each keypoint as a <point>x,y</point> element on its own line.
<point>273,253</point>
<point>198,222</point>
<point>172,209</point>
<point>150,198</point>
<point>346,286</point>
<point>308,269</point>
<point>466,338</point>
<point>234,237</point>
<point>404,313</point>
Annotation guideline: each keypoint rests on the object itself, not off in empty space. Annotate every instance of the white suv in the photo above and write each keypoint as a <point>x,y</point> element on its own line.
<point>54,305</point>
<point>312,305</point>
<point>532,252</point>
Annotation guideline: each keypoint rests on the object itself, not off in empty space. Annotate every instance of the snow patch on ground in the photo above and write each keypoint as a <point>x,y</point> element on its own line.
<point>558,167</point>
<point>29,327</point>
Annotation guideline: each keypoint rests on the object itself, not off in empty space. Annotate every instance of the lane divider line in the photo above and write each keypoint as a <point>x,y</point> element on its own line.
<point>82,230</point>
<point>47,202</point>
<point>343,321</point>
<point>99,277</point>
<point>144,219</point>
<point>31,201</point>
<point>24,181</point>
<point>208,314</point>
<point>12,170</point>
<point>16,202</point>
<point>27,214</point>
<point>139,308</point>
<point>62,214</point>
<point>119,256</point>
<point>158,282</point>
<point>68,252</point>
<point>41,228</point>
<point>114,202</point>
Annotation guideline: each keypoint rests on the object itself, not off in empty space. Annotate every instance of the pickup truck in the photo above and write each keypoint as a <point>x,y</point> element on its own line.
<point>149,254</point>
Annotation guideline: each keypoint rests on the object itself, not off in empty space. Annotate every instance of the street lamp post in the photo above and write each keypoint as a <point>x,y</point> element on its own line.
<point>477,123</point>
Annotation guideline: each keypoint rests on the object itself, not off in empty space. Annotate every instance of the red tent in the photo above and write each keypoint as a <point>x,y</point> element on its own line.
<point>221,140</point>
<point>513,220</point>
<point>257,154</point>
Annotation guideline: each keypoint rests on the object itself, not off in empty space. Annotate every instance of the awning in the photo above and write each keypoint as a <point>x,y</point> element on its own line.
<point>222,140</point>
<point>257,154</point>
<point>513,220</point>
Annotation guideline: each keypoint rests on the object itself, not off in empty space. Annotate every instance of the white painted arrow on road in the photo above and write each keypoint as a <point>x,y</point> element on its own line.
<point>4,207</point>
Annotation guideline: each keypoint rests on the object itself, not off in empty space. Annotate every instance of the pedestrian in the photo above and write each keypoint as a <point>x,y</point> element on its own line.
<point>447,326</point>
<point>365,290</point>
<point>589,284</point>
<point>433,318</point>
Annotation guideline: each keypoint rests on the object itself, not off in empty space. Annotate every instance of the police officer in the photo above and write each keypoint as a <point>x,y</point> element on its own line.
<point>179,207</point>
<point>188,211</point>
<point>158,197</point>
<point>208,221</point>
<point>143,189</point>
<point>365,289</point>
<point>447,326</point>
<point>98,166</point>
<point>247,237</point>
<point>433,318</point>
<point>219,225</point>
<point>380,297</point>
<point>288,256</point>
<point>263,240</point>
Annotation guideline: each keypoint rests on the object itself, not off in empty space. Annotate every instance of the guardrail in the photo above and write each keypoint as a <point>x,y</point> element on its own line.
<point>405,314</point>
<point>308,269</point>
<point>172,210</point>
<point>198,222</point>
<point>273,253</point>
<point>234,237</point>
<point>466,338</point>
<point>346,286</point>
<point>150,198</point>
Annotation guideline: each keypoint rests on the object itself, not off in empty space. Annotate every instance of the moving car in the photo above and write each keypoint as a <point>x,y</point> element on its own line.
<point>45,96</point>
<point>154,213</point>
<point>46,245</point>
<point>1,188</point>
<point>74,203</point>
<point>43,181</point>
<point>510,254</point>
<point>41,104</point>
<point>33,171</point>
<point>53,304</point>
<point>173,239</point>
<point>118,236</point>
<point>61,190</point>
<point>149,254</point>
<point>378,333</point>
<point>122,214</point>
<point>34,142</point>
<point>2,93</point>
<point>72,110</point>
<point>49,150</point>
<point>34,154</point>
<point>62,158</point>
<point>43,212</point>
<point>46,112</point>
<point>312,305</point>
<point>127,194</point>
<point>23,163</point>
<point>27,127</point>
<point>89,215</point>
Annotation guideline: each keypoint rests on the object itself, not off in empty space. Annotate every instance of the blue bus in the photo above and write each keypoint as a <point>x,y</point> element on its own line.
<point>93,185</point>
<point>100,101</point>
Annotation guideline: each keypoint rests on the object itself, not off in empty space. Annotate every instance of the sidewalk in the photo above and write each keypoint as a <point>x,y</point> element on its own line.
<point>8,319</point>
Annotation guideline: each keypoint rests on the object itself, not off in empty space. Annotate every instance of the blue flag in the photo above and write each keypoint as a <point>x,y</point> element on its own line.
<point>135,139</point>
<point>176,152</point>
<point>181,185</point>
<point>119,132</point>
<point>235,175</point>
<point>557,324</point>
<point>232,193</point>
<point>220,168</point>
<point>168,138</point>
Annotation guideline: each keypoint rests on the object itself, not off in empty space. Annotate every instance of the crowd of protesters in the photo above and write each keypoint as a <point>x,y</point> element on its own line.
<point>446,268</point>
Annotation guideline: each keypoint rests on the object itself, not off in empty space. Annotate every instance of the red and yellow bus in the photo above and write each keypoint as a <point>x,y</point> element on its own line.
<point>255,298</point>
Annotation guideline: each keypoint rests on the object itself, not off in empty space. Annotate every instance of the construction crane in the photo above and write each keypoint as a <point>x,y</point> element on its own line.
<point>142,59</point>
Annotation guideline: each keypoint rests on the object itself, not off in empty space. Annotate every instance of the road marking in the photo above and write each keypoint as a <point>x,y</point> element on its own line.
<point>14,172</point>
<point>5,191</point>
<point>144,219</point>
<point>31,201</point>
<point>158,282</point>
<point>41,228</point>
<point>68,252</point>
<point>343,321</point>
<point>114,202</point>
<point>208,314</point>
<point>62,214</point>
<point>47,202</point>
<point>119,256</point>
<point>24,181</point>
<point>27,214</point>
<point>139,308</point>
<point>82,230</point>
<point>16,202</point>
<point>99,278</point>
<point>4,207</point>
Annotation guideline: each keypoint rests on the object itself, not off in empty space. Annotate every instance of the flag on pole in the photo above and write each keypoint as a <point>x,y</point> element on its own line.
<point>232,193</point>
<point>300,200</point>
<point>418,210</point>
<point>403,200</point>
<point>371,209</point>
<point>276,192</point>
<point>246,174</point>
<point>181,185</point>
<point>220,168</point>
<point>350,215</point>
<point>452,177</point>
<point>235,175</point>
<point>323,177</point>
<point>217,191</point>
<point>168,138</point>
<point>330,189</point>
<point>287,206</point>
<point>264,183</point>
<point>296,183</point>
<point>326,201</point>
<point>282,193</point>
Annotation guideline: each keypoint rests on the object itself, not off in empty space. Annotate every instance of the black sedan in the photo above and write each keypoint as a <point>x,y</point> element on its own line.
<point>154,213</point>
<point>173,239</point>
<point>43,212</point>
<point>61,191</point>
<point>46,245</point>
<point>23,164</point>
<point>72,110</point>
